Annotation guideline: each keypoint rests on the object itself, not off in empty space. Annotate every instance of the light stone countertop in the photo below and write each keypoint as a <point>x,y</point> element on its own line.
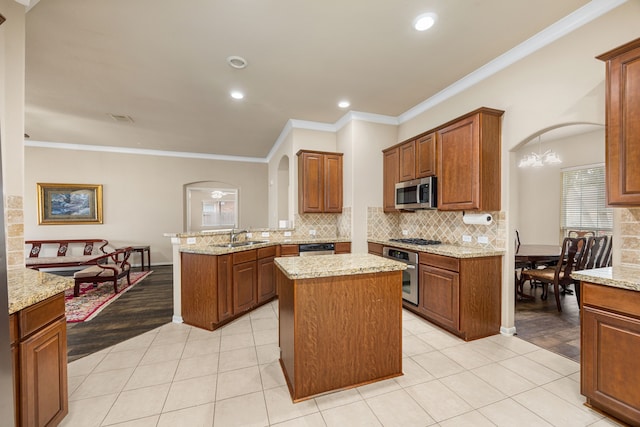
<point>314,266</point>
<point>617,277</point>
<point>210,249</point>
<point>454,251</point>
<point>28,287</point>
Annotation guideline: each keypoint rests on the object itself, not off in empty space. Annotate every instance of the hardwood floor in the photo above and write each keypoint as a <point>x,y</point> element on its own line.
<point>149,305</point>
<point>540,323</point>
<point>146,306</point>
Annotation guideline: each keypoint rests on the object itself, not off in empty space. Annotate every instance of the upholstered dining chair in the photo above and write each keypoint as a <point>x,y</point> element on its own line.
<point>580,233</point>
<point>559,275</point>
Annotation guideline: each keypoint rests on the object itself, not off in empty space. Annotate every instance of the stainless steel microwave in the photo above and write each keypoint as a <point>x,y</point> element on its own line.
<point>417,194</point>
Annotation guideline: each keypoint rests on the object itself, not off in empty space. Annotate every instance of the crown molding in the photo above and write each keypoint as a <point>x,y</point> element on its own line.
<point>141,151</point>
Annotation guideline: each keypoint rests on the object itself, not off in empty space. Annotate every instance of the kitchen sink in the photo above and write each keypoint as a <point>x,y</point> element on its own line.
<point>240,244</point>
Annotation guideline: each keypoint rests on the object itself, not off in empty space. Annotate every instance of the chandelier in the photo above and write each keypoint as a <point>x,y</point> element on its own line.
<point>539,159</point>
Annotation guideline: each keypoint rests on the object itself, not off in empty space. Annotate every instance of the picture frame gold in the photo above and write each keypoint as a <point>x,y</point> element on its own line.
<point>64,204</point>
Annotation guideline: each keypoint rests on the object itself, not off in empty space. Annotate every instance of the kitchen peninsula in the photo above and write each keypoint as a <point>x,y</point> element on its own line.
<point>340,321</point>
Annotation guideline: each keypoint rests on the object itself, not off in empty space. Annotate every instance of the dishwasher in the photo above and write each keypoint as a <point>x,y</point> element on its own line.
<point>316,249</point>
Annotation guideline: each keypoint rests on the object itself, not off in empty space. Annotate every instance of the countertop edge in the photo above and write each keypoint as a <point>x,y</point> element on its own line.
<point>27,287</point>
<point>622,277</point>
<point>444,249</point>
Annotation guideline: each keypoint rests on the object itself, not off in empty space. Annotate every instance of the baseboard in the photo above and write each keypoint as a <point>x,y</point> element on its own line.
<point>176,319</point>
<point>508,331</point>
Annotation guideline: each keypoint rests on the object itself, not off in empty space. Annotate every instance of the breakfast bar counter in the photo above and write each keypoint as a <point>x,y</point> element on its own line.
<point>340,321</point>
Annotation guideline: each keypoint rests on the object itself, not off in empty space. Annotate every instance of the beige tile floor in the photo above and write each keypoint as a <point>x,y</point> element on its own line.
<point>178,375</point>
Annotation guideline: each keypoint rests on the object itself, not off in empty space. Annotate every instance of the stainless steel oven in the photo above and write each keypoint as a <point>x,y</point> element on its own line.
<point>410,275</point>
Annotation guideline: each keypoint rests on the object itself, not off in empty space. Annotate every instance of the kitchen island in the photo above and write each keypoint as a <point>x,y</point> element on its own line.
<point>340,321</point>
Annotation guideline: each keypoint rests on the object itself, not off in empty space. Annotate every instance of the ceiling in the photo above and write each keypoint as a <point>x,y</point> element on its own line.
<point>163,64</point>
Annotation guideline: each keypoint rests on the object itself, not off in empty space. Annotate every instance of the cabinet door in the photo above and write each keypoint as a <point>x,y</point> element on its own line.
<point>458,163</point>
<point>244,286</point>
<point>199,293</point>
<point>439,297</point>
<point>407,161</point>
<point>332,183</point>
<point>43,372</point>
<point>623,127</point>
<point>225,288</point>
<point>610,366</point>
<point>391,176</point>
<point>266,279</point>
<point>310,182</point>
<point>426,156</point>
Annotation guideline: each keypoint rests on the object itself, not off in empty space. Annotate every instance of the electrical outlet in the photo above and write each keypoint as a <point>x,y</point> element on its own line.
<point>483,239</point>
<point>249,235</point>
<point>175,240</point>
<point>405,232</point>
<point>191,240</point>
<point>466,238</point>
<point>312,232</point>
<point>265,234</point>
<point>287,234</point>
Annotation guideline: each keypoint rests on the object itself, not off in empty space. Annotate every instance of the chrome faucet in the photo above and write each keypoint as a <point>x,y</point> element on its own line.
<point>233,235</point>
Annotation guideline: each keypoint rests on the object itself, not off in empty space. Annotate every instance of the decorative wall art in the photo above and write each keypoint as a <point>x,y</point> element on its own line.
<point>60,204</point>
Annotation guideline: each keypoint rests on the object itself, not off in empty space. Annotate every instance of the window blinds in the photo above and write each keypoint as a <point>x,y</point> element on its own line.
<point>584,200</point>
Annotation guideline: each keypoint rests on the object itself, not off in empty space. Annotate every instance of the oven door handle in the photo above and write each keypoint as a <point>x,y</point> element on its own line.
<point>411,267</point>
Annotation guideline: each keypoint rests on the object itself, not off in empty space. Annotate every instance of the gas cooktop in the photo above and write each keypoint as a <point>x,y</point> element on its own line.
<point>420,242</point>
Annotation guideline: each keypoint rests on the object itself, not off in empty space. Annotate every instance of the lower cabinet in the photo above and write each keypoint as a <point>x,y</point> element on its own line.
<point>218,288</point>
<point>39,349</point>
<point>610,337</point>
<point>462,295</point>
<point>342,248</point>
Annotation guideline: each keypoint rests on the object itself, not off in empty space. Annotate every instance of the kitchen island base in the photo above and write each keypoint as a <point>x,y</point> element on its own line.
<point>339,332</point>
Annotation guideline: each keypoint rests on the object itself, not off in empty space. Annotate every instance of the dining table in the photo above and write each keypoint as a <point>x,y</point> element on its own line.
<point>530,256</point>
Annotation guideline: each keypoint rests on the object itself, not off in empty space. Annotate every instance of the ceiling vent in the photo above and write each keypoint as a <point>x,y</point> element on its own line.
<point>121,118</point>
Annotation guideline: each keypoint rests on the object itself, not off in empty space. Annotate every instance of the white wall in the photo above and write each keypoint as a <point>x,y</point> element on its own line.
<point>539,190</point>
<point>142,195</point>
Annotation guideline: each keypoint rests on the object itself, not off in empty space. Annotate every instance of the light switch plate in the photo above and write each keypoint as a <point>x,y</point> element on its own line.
<point>312,232</point>
<point>249,235</point>
<point>287,234</point>
<point>405,232</point>
<point>265,234</point>
<point>483,239</point>
<point>466,238</point>
<point>191,240</point>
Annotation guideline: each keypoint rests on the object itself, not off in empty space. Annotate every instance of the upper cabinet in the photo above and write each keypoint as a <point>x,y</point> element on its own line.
<point>319,182</point>
<point>468,153</point>
<point>426,155</point>
<point>623,126</point>
<point>391,175</point>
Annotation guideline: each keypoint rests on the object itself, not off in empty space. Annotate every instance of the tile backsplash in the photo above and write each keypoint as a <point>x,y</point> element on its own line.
<point>14,218</point>
<point>629,240</point>
<point>438,225</point>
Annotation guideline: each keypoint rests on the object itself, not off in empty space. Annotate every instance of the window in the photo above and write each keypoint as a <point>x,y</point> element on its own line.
<point>584,201</point>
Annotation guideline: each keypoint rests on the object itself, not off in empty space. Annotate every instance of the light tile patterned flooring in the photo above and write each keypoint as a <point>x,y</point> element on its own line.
<point>178,375</point>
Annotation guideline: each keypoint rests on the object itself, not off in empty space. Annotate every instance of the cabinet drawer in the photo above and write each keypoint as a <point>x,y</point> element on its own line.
<point>38,315</point>
<point>616,299</point>
<point>342,247</point>
<point>13,329</point>
<point>289,250</point>
<point>375,248</point>
<point>244,256</point>
<point>267,252</point>
<point>440,261</point>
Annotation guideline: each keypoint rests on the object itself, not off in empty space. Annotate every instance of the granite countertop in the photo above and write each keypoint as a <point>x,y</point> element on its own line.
<point>445,249</point>
<point>27,287</point>
<point>309,267</point>
<point>212,249</point>
<point>617,277</point>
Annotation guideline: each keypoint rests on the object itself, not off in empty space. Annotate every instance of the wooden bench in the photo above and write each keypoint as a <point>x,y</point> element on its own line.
<point>63,253</point>
<point>106,268</point>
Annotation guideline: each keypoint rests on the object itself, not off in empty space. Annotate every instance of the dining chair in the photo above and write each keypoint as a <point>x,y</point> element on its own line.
<point>605,257</point>
<point>573,249</point>
<point>580,233</point>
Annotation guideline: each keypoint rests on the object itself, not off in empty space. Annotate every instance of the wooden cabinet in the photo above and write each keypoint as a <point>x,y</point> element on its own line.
<point>460,294</point>
<point>391,176</point>
<point>216,289</point>
<point>342,248</point>
<point>407,166</point>
<point>266,274</point>
<point>610,337</point>
<point>622,125</point>
<point>39,350</point>
<point>468,151</point>
<point>319,182</point>
<point>426,156</point>
<point>375,248</point>
<point>289,250</point>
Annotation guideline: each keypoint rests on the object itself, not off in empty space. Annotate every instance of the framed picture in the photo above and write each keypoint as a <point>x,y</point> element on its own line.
<point>69,204</point>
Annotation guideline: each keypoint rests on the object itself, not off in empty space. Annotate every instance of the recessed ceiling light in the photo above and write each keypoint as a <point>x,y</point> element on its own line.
<point>425,21</point>
<point>236,94</point>
<point>237,62</point>
<point>343,104</point>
